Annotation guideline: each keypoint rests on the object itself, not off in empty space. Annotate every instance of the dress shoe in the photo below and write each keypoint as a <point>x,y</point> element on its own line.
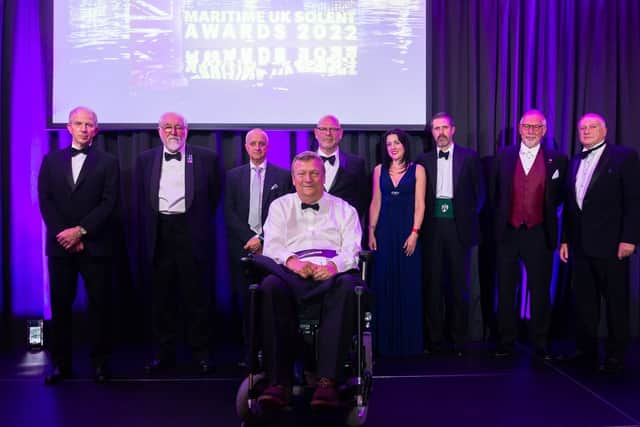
<point>544,354</point>
<point>578,358</point>
<point>274,398</point>
<point>205,367</point>
<point>503,351</point>
<point>56,375</point>
<point>325,395</point>
<point>102,373</point>
<point>611,366</point>
<point>159,365</point>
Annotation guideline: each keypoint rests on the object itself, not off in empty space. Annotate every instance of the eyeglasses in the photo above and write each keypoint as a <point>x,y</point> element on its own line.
<point>527,126</point>
<point>169,128</point>
<point>332,130</point>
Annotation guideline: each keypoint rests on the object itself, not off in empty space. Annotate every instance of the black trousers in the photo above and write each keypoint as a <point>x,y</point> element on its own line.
<point>447,262</point>
<point>179,277</point>
<point>283,295</point>
<point>96,273</point>
<point>594,278</point>
<point>529,247</point>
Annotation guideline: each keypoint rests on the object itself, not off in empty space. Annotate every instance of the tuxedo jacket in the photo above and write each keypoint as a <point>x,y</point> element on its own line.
<point>202,191</point>
<point>501,187</point>
<point>351,183</point>
<point>90,202</point>
<point>468,192</point>
<point>611,206</point>
<point>277,181</point>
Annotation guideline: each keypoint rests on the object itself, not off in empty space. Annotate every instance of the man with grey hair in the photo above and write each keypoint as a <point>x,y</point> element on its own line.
<point>601,231</point>
<point>249,191</point>
<point>526,189</point>
<point>178,191</point>
<point>311,245</point>
<point>78,194</point>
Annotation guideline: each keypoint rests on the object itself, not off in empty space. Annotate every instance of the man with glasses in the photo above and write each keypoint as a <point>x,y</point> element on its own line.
<point>601,232</point>
<point>249,190</point>
<point>78,193</point>
<point>178,191</point>
<point>526,189</point>
<point>345,173</point>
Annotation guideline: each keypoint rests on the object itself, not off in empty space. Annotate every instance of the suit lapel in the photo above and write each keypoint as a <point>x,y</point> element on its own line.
<point>432,170</point>
<point>512,157</point>
<point>266,189</point>
<point>458,161</point>
<point>342,167</point>
<point>189,179</point>
<point>602,165</point>
<point>154,180</point>
<point>88,165</point>
<point>66,167</point>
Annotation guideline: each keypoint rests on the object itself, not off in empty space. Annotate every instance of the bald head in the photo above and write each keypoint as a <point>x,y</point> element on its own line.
<point>328,133</point>
<point>256,143</point>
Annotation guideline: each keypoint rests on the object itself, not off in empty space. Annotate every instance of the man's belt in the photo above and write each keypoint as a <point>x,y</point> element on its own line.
<point>444,208</point>
<point>309,253</point>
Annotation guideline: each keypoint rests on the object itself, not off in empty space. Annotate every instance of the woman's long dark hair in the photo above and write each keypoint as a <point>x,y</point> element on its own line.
<point>404,139</point>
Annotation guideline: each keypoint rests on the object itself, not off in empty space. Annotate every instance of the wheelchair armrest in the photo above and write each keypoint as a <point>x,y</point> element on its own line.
<point>365,258</point>
<point>252,271</point>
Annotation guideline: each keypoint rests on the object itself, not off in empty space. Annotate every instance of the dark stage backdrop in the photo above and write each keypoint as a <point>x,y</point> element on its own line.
<point>491,61</point>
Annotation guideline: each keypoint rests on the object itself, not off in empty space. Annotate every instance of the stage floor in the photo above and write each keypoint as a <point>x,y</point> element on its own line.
<point>473,390</point>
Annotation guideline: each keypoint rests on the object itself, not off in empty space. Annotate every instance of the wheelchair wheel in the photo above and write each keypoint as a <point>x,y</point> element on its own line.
<point>246,414</point>
<point>357,416</point>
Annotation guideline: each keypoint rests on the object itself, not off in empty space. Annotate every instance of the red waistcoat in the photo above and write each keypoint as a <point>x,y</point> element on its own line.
<point>527,195</point>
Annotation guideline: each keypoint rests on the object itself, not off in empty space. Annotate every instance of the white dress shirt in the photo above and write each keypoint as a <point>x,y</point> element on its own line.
<point>329,169</point>
<point>334,226</point>
<point>528,156</point>
<point>444,183</point>
<point>585,172</point>
<point>77,162</point>
<point>171,193</point>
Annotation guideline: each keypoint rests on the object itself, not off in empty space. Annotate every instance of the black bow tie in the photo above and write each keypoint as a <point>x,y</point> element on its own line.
<point>330,159</point>
<point>443,155</point>
<point>177,156</point>
<point>75,151</point>
<point>584,154</point>
<point>314,206</point>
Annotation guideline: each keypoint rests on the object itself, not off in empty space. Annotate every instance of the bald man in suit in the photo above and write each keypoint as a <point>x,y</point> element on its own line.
<point>249,191</point>
<point>601,232</point>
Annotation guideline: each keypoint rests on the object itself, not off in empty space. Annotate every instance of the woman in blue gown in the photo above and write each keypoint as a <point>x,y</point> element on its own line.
<point>395,216</point>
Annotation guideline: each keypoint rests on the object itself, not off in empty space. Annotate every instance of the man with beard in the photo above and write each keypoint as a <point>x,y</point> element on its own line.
<point>455,196</point>
<point>178,191</point>
<point>526,189</point>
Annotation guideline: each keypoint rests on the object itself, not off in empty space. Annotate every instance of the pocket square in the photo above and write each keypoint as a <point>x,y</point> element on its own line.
<point>556,174</point>
<point>274,187</point>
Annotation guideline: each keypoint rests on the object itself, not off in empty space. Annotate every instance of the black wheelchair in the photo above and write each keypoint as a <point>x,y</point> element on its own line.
<point>354,393</point>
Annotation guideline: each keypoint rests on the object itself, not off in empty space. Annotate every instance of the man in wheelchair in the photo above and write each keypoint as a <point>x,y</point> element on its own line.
<point>311,245</point>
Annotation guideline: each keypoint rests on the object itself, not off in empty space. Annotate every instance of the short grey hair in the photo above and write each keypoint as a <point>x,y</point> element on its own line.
<point>305,156</point>
<point>532,112</point>
<point>81,108</point>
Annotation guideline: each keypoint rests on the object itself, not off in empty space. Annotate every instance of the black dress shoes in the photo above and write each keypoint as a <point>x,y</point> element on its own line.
<point>102,373</point>
<point>579,359</point>
<point>56,375</point>
<point>159,365</point>
<point>611,366</point>
<point>503,351</point>
<point>205,367</point>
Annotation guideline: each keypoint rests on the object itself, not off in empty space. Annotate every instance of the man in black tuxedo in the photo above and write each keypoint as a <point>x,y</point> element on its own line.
<point>526,189</point>
<point>346,176</point>
<point>178,192</point>
<point>78,193</point>
<point>602,229</point>
<point>455,196</point>
<point>249,190</point>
